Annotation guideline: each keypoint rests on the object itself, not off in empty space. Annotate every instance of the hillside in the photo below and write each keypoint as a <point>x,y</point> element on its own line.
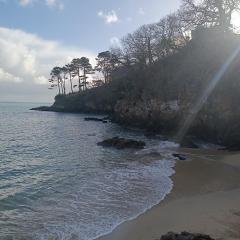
<point>160,97</point>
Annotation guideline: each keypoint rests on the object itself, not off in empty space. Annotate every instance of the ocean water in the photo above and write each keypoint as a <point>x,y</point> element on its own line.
<point>56,183</point>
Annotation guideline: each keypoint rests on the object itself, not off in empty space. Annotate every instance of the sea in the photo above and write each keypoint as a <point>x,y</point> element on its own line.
<point>56,183</point>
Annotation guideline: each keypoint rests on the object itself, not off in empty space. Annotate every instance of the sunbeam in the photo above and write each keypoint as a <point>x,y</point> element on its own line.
<point>200,102</point>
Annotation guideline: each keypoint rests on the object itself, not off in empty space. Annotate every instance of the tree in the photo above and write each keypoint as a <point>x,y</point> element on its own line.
<point>86,69</point>
<point>70,70</point>
<point>169,36</point>
<point>139,45</point>
<point>155,41</point>
<point>209,12</point>
<point>76,63</point>
<point>121,57</point>
<point>106,63</point>
<point>56,77</point>
<point>64,71</point>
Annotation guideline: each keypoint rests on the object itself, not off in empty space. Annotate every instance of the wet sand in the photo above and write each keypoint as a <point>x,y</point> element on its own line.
<point>205,199</point>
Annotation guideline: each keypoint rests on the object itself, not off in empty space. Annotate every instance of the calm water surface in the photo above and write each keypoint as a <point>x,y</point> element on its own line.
<point>56,183</point>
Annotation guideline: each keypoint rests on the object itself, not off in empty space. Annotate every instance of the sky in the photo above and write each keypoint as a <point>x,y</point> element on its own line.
<point>36,35</point>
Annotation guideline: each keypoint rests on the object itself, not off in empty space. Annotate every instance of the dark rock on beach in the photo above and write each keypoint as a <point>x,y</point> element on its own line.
<point>121,143</point>
<point>179,156</point>
<point>185,236</point>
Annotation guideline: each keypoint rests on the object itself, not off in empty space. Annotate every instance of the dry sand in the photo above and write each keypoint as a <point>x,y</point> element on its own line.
<point>205,199</point>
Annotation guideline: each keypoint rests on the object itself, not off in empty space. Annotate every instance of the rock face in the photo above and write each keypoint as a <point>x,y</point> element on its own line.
<point>217,123</point>
<point>121,143</point>
<point>185,236</point>
<point>151,114</point>
<point>96,100</point>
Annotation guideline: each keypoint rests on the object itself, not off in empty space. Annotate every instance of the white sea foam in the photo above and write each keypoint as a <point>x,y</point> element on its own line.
<point>165,149</point>
<point>140,187</point>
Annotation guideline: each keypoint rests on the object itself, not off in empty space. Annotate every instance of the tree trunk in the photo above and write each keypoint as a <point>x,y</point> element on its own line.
<point>150,58</point>
<point>64,85</point>
<point>59,90</point>
<point>71,82</point>
<point>224,20</point>
<point>84,76</point>
<point>79,81</point>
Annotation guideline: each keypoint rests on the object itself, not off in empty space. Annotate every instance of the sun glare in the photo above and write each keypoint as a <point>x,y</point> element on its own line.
<point>236,20</point>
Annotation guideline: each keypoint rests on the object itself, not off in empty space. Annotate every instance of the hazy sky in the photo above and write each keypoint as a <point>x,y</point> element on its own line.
<point>36,35</point>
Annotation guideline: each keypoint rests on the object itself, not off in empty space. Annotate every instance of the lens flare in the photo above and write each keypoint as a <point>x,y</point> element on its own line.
<point>199,104</point>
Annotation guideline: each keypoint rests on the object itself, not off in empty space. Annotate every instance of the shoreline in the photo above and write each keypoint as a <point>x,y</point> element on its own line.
<point>189,188</point>
<point>204,199</point>
<point>189,141</point>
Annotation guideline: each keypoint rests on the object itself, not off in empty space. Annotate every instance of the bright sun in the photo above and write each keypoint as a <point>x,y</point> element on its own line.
<point>236,20</point>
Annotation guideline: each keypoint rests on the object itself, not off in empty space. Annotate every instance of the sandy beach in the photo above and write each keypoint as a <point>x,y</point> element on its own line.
<point>205,199</point>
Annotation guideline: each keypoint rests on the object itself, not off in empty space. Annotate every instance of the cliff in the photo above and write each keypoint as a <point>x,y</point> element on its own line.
<point>160,98</point>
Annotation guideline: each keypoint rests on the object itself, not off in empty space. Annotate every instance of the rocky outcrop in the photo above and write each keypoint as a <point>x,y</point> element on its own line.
<point>216,123</point>
<point>43,109</point>
<point>122,143</point>
<point>185,236</point>
<point>152,114</point>
<point>96,100</point>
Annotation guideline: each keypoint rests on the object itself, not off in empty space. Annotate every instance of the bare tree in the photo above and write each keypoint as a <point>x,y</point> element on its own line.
<point>154,41</point>
<point>106,63</point>
<point>140,44</point>
<point>209,12</point>
<point>170,35</point>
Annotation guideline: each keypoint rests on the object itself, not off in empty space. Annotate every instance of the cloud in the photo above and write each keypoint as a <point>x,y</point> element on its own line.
<point>141,11</point>
<point>25,2</point>
<point>55,3</point>
<point>60,6</point>
<point>8,77</point>
<point>109,17</point>
<point>129,19</point>
<point>50,3</point>
<point>30,59</point>
<point>115,42</point>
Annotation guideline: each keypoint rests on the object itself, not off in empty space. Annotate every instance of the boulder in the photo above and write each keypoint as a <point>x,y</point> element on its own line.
<point>185,236</point>
<point>179,156</point>
<point>122,143</point>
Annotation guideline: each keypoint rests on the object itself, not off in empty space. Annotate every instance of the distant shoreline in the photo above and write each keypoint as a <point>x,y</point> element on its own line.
<point>65,110</point>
